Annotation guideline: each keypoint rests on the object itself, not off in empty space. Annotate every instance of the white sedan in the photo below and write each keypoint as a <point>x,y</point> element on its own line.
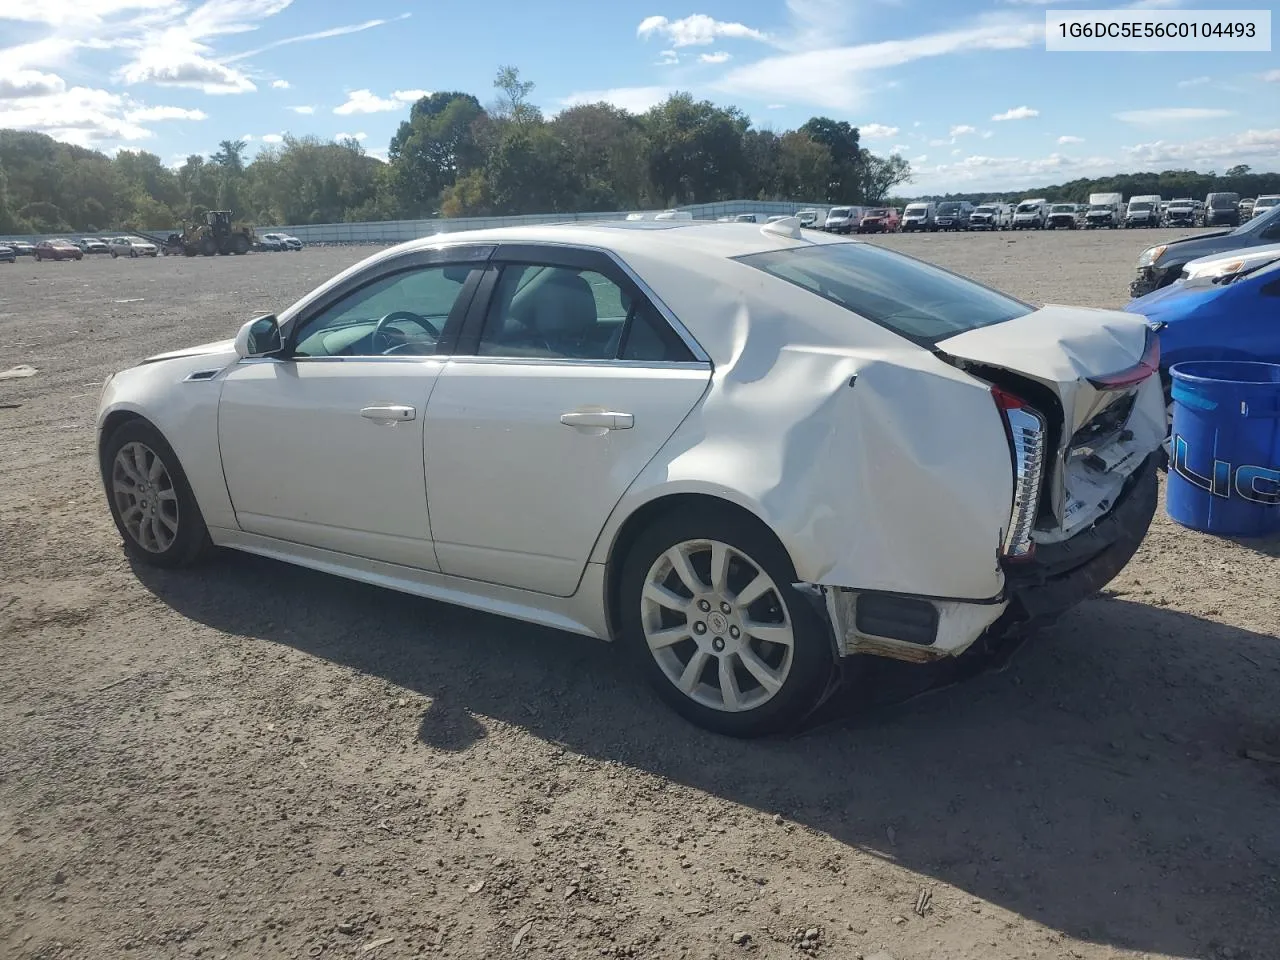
<point>749,456</point>
<point>131,247</point>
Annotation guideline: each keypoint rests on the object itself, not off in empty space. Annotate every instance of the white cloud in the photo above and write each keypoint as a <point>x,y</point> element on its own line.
<point>380,155</point>
<point>834,77</point>
<point>306,111</point>
<point>1017,113</point>
<point>410,96</point>
<point>183,68</point>
<point>877,131</point>
<point>272,138</point>
<point>942,143</point>
<point>1195,82</point>
<point>1262,146</point>
<point>719,56</point>
<point>962,129</point>
<point>695,31</point>
<point>667,58</point>
<point>1160,115</point>
<point>365,101</point>
<point>247,137</point>
<point>899,148</point>
<point>1271,76</point>
<point>30,83</point>
<point>986,134</point>
<point>776,106</point>
<point>351,136</point>
<point>80,115</point>
<point>152,114</point>
<point>280,84</point>
<point>634,99</point>
<point>1068,138</point>
<point>318,35</point>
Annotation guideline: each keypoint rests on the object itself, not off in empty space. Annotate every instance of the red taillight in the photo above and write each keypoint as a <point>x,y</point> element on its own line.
<point>1134,375</point>
<point>1006,400</point>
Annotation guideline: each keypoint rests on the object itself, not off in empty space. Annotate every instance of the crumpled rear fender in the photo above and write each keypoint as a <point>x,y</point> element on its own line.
<point>878,470</point>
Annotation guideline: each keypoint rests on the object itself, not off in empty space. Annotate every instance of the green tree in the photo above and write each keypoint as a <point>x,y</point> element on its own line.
<point>695,150</point>
<point>841,141</point>
<point>433,148</point>
<point>513,100</point>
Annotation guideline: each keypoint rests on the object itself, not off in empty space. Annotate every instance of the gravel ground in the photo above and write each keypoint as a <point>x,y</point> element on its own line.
<point>251,760</point>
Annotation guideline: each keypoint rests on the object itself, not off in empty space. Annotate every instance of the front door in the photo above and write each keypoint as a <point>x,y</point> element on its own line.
<point>576,381</point>
<point>323,445</point>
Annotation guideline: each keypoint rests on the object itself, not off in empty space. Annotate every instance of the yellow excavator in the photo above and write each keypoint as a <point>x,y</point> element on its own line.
<point>217,235</point>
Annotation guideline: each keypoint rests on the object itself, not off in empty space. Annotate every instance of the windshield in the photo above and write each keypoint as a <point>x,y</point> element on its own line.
<point>917,208</point>
<point>1100,206</point>
<point>878,212</point>
<point>1223,202</point>
<point>917,300</point>
<point>1265,202</point>
<point>1140,206</point>
<point>1063,208</point>
<point>1028,207</point>
<point>948,208</point>
<point>839,212</point>
<point>985,210</point>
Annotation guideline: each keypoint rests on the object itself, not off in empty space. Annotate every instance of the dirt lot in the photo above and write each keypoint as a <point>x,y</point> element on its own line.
<point>251,760</point>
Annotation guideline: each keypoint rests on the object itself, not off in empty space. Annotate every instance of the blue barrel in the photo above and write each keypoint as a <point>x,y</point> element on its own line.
<point>1224,456</point>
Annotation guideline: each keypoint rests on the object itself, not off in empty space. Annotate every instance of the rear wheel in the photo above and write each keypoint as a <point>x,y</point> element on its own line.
<point>240,244</point>
<point>208,247</point>
<point>150,498</point>
<point>708,607</point>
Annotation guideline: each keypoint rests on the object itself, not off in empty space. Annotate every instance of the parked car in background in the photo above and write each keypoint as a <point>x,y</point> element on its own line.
<point>1180,212</point>
<point>745,218</point>
<point>8,254</point>
<point>991,215</point>
<point>1264,203</point>
<point>1063,216</point>
<point>880,220</point>
<point>1143,211</point>
<point>842,219</point>
<point>93,245</point>
<point>953,215</point>
<point>776,217</point>
<point>131,247</point>
<point>1222,210</point>
<point>919,216</point>
<point>58,250</point>
<point>674,215</point>
<point>807,218</point>
<point>1105,210</point>
<point>1031,214</point>
<point>21,247</point>
<point>1162,264</point>
<point>836,363</point>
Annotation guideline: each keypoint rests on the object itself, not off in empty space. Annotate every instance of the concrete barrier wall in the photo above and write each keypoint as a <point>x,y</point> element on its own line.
<point>397,231</point>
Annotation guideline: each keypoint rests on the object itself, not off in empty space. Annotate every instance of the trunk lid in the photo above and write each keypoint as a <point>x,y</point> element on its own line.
<point>1099,433</point>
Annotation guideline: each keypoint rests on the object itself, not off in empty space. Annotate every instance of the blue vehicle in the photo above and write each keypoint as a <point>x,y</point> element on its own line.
<point>1225,306</point>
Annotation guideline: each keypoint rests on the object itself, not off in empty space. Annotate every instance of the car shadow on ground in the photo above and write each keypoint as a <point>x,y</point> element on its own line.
<point>1097,785</point>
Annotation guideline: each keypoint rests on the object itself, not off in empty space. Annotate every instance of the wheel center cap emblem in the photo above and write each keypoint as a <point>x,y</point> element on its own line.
<point>717,623</point>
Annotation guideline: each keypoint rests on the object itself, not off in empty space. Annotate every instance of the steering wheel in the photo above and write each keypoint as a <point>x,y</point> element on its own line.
<point>380,339</point>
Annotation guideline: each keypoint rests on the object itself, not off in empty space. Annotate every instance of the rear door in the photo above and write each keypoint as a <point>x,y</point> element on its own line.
<point>568,379</point>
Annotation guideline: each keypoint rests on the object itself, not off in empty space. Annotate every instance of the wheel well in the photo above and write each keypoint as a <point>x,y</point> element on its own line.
<point>115,420</point>
<point>651,513</point>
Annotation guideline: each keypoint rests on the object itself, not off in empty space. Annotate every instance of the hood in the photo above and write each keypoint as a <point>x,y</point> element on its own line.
<point>203,350</point>
<point>1188,248</point>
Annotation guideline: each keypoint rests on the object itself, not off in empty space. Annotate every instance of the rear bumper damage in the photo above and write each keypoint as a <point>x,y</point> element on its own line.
<point>1036,592</point>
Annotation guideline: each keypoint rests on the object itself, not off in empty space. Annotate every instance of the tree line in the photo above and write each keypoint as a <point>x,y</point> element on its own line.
<point>453,157</point>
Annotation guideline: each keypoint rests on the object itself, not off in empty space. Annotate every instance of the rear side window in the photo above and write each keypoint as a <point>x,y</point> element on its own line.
<point>919,301</point>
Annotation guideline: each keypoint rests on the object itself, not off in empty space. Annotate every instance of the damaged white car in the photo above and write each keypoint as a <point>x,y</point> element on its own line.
<point>747,454</point>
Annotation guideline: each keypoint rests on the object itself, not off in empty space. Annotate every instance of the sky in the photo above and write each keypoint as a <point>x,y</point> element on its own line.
<point>964,89</point>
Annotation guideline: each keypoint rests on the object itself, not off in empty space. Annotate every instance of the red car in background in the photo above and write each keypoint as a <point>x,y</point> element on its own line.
<point>58,250</point>
<point>880,220</point>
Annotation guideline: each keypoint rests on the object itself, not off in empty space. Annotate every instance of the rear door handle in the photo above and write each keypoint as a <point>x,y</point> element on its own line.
<point>391,413</point>
<point>607,419</point>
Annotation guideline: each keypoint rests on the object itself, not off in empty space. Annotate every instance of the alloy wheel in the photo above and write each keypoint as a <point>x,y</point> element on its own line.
<point>145,497</point>
<point>717,626</point>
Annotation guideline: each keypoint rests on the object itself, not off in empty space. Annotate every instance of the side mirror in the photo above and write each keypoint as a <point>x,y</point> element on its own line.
<point>258,338</point>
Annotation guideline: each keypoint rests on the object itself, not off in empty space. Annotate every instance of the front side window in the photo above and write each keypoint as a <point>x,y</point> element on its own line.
<point>563,313</point>
<point>919,301</point>
<point>400,314</point>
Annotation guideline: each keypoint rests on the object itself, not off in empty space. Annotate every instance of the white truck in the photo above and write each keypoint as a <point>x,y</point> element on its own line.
<point>991,215</point>
<point>1144,211</point>
<point>1105,210</point>
<point>1031,214</point>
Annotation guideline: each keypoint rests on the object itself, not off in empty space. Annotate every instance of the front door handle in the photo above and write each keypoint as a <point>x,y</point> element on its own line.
<point>607,419</point>
<point>391,413</point>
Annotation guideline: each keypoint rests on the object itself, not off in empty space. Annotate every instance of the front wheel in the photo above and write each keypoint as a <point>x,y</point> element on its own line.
<point>708,607</point>
<point>150,499</point>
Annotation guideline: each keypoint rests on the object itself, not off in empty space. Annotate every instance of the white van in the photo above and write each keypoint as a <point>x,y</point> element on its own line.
<point>1030,214</point>
<point>1144,211</point>
<point>991,215</point>
<point>1105,210</point>
<point>843,219</point>
<point>919,216</point>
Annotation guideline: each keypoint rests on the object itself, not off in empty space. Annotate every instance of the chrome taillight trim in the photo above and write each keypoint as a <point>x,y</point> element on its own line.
<point>1027,433</point>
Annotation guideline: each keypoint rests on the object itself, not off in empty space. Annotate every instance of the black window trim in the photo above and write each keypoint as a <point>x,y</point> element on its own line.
<point>457,254</point>
<point>573,257</point>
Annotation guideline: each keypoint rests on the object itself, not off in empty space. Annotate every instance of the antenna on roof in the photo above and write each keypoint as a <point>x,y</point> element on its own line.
<point>787,227</point>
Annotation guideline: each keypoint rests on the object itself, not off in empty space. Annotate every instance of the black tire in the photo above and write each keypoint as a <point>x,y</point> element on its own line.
<point>812,657</point>
<point>133,254</point>
<point>191,543</point>
<point>240,244</point>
